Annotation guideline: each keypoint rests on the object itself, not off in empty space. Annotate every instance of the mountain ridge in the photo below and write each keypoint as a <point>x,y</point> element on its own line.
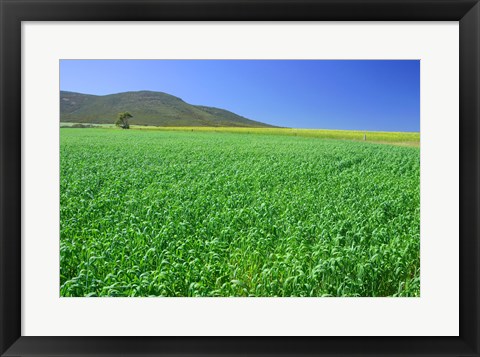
<point>148,108</point>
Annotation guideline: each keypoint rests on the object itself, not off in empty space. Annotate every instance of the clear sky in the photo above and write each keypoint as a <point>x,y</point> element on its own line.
<point>374,95</point>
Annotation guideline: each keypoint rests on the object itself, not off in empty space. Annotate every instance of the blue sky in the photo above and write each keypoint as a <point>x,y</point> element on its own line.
<point>374,95</point>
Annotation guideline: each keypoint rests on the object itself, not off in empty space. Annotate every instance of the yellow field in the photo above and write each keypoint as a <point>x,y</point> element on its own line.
<point>396,138</point>
<point>379,137</point>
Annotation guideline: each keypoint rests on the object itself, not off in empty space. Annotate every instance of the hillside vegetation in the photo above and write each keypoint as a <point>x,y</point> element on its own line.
<point>147,108</point>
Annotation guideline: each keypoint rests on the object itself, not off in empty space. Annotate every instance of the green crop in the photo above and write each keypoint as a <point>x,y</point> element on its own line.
<point>182,213</point>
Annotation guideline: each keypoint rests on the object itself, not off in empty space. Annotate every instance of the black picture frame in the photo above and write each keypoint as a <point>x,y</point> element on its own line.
<point>13,12</point>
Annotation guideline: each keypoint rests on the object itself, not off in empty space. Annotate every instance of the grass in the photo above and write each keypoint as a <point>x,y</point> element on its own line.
<point>204,213</point>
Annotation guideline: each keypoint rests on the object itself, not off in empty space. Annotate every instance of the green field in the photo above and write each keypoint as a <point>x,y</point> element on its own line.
<point>224,213</point>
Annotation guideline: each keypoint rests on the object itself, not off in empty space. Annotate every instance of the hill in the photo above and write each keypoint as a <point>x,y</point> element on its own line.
<point>147,108</point>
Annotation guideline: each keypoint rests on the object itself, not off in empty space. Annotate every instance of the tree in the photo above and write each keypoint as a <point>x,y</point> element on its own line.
<point>122,120</point>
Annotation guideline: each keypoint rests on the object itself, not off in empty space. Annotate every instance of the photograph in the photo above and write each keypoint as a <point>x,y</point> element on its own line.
<point>239,178</point>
